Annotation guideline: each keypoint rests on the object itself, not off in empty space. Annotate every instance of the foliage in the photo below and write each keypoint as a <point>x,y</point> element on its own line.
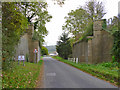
<point>76,22</point>
<point>116,46</point>
<point>63,46</point>
<point>114,29</point>
<point>44,51</point>
<point>21,76</point>
<point>13,26</point>
<point>79,22</point>
<point>0,79</point>
<point>36,12</point>
<point>0,46</point>
<point>16,16</point>
<point>59,2</point>
<point>113,59</point>
<point>109,64</point>
<point>72,40</point>
<point>95,9</point>
<point>104,71</point>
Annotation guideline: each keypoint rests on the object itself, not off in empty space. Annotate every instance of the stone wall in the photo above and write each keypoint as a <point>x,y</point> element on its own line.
<point>97,48</point>
<point>80,51</point>
<point>27,45</point>
<point>22,48</point>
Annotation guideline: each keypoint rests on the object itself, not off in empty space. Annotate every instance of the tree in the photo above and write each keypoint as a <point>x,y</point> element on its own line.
<point>114,29</point>
<point>80,21</point>
<point>16,16</point>
<point>44,51</point>
<point>14,24</point>
<point>76,22</point>
<point>63,46</point>
<point>36,13</point>
<point>95,9</point>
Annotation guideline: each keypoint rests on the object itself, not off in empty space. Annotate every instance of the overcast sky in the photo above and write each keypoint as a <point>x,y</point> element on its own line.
<point>58,13</point>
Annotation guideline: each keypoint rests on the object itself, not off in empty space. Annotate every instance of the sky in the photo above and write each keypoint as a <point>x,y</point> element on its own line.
<point>58,13</point>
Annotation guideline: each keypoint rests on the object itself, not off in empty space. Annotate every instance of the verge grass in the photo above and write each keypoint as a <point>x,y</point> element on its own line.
<point>21,76</point>
<point>0,79</point>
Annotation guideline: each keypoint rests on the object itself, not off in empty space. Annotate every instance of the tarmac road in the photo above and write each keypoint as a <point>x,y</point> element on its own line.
<point>61,75</point>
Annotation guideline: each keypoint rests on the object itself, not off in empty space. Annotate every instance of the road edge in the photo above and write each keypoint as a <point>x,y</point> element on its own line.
<point>40,82</point>
<point>89,73</point>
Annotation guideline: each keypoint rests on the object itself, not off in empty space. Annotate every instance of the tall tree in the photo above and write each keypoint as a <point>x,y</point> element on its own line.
<point>36,13</point>
<point>114,29</point>
<point>15,18</point>
<point>13,25</point>
<point>63,46</point>
<point>95,9</point>
<point>80,21</point>
<point>77,22</point>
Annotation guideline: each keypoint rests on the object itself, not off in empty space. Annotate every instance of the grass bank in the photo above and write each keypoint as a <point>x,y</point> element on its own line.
<point>107,71</point>
<point>21,76</point>
<point>0,79</point>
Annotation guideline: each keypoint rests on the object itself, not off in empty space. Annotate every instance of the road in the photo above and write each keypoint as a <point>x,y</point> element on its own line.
<point>61,75</point>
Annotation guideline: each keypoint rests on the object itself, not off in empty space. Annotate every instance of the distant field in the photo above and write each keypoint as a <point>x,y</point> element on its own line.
<point>51,49</point>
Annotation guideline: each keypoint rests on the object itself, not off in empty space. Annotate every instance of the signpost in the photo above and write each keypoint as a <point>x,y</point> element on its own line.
<point>35,51</point>
<point>21,58</point>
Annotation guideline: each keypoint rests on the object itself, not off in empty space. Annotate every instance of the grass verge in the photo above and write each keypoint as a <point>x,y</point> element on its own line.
<point>103,70</point>
<point>0,79</point>
<point>21,76</point>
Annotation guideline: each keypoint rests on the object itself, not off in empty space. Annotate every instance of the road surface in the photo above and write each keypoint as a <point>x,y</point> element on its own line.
<point>61,75</point>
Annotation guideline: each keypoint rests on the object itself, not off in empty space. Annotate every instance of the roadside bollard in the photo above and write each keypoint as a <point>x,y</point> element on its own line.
<point>76,60</point>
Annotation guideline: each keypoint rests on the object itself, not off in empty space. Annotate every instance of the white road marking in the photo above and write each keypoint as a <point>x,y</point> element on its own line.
<point>51,74</point>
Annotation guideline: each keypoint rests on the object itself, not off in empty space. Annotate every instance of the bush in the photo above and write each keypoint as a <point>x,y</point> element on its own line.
<point>63,46</point>
<point>44,51</point>
<point>113,58</point>
<point>109,64</point>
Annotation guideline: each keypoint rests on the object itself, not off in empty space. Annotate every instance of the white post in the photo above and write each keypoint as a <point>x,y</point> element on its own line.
<point>68,59</point>
<point>76,60</point>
